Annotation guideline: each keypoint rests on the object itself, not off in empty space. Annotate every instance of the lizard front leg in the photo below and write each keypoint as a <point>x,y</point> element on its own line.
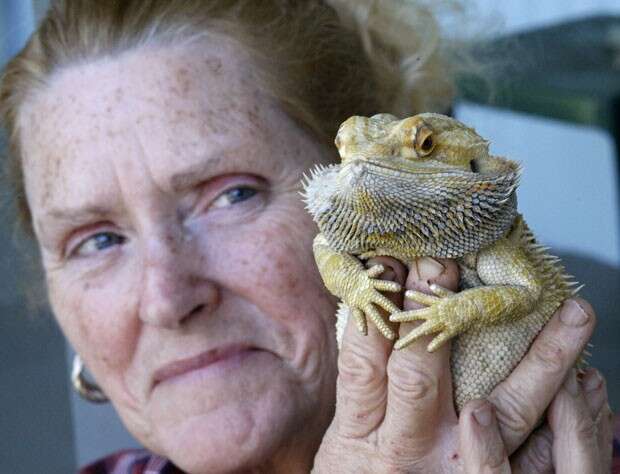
<point>512,291</point>
<point>346,277</point>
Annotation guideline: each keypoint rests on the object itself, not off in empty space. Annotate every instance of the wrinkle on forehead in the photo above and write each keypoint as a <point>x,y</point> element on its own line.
<point>73,121</point>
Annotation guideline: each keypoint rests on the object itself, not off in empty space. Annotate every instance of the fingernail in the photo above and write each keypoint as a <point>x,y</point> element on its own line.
<point>388,275</point>
<point>570,384</point>
<point>429,268</point>
<point>592,380</point>
<point>573,314</point>
<point>483,415</point>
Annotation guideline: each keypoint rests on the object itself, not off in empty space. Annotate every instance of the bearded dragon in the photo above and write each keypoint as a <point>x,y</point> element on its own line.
<point>427,186</point>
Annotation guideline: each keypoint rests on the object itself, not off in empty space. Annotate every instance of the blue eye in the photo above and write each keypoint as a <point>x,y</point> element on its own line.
<point>107,239</point>
<point>99,242</point>
<point>239,194</point>
<point>234,195</point>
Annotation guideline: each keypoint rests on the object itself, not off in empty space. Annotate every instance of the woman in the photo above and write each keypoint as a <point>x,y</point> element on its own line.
<point>158,148</point>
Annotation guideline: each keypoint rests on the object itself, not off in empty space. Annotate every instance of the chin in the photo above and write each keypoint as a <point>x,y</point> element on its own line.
<point>227,424</point>
<point>231,438</point>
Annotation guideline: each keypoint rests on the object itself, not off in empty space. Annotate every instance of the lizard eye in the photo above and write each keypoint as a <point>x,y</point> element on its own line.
<point>424,142</point>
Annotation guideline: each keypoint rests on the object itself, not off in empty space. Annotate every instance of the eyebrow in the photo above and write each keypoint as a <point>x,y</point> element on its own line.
<point>67,214</point>
<point>195,173</point>
<point>188,178</point>
<point>210,165</point>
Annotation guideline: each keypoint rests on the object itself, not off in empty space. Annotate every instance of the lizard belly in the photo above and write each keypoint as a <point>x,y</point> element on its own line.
<point>483,357</point>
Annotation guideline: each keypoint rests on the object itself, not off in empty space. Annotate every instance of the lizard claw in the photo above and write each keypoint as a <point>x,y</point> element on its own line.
<point>441,291</point>
<point>367,255</point>
<point>375,271</point>
<point>440,315</point>
<point>360,321</point>
<point>429,327</point>
<point>368,298</point>
<point>421,298</point>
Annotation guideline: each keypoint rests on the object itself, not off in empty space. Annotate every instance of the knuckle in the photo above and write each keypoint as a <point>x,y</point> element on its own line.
<point>604,426</point>
<point>497,459</point>
<point>537,456</point>
<point>549,355</point>
<point>396,458</point>
<point>356,368</point>
<point>412,383</point>
<point>585,428</point>
<point>513,412</point>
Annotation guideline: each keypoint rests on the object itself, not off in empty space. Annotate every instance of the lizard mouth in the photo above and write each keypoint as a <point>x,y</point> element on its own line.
<point>402,169</point>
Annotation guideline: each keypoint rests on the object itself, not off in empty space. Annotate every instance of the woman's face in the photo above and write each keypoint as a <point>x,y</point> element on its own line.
<point>163,185</point>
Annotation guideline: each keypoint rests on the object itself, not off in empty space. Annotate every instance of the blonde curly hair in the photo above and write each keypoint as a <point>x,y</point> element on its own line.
<point>323,61</point>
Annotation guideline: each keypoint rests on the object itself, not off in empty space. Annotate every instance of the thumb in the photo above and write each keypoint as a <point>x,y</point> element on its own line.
<point>480,442</point>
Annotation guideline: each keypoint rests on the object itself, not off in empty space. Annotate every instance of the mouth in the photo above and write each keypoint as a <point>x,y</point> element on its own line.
<point>209,360</point>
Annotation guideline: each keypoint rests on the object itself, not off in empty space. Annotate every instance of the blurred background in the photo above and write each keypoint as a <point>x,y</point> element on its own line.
<point>555,108</point>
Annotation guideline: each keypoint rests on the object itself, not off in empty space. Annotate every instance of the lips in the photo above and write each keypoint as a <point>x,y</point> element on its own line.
<point>182,366</point>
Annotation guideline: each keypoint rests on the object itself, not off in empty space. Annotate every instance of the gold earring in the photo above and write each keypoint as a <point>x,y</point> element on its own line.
<point>88,390</point>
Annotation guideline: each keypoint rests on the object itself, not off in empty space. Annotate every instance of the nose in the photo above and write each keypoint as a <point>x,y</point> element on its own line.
<point>173,286</point>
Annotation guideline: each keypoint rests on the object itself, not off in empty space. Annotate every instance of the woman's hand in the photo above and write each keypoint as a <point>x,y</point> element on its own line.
<point>394,409</point>
<point>576,439</point>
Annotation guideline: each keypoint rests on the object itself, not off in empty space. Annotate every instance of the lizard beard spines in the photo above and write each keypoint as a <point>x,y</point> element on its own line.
<point>441,214</point>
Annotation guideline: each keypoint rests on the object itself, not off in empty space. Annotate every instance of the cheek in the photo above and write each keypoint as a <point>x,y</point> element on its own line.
<point>97,321</point>
<point>284,268</point>
<point>275,269</point>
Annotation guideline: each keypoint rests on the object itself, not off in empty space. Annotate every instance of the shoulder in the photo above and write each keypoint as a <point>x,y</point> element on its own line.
<point>131,461</point>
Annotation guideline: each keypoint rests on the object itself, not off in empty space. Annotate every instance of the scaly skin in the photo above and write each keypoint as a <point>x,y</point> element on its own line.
<point>427,186</point>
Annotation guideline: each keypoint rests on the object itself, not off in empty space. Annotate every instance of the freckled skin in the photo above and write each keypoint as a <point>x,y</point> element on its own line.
<point>192,274</point>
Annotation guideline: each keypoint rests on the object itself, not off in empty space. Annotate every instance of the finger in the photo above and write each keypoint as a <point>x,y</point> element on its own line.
<point>536,455</point>
<point>361,385</point>
<point>575,448</point>
<point>522,398</point>
<point>480,442</point>
<point>419,383</point>
<point>605,437</point>
<point>595,391</point>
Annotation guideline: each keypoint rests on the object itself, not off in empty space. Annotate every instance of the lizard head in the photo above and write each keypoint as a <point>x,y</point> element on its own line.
<point>424,185</point>
<point>437,141</point>
<point>424,142</point>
